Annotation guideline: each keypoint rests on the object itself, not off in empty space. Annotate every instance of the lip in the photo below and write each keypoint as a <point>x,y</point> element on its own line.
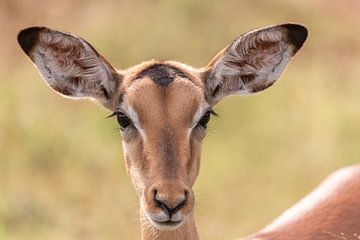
<point>167,225</point>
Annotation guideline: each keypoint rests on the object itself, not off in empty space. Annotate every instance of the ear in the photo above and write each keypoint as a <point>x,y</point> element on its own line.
<point>253,61</point>
<point>69,64</point>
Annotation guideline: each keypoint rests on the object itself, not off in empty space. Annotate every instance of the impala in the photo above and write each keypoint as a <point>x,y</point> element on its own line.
<point>163,108</point>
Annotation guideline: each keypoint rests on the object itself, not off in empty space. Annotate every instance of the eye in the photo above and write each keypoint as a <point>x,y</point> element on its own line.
<point>123,120</point>
<point>205,119</point>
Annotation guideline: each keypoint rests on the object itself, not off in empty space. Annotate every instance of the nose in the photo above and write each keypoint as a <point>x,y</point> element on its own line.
<point>170,200</point>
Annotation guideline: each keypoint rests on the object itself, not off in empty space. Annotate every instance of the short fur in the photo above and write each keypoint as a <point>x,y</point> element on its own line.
<point>331,210</point>
<point>164,101</point>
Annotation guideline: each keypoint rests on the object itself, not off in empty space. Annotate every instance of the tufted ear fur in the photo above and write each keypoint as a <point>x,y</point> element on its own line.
<point>69,64</point>
<point>253,61</point>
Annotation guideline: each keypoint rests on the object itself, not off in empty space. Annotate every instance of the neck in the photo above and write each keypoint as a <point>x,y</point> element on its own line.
<point>187,231</point>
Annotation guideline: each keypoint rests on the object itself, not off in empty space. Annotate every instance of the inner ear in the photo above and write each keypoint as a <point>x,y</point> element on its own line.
<point>69,64</point>
<point>253,61</point>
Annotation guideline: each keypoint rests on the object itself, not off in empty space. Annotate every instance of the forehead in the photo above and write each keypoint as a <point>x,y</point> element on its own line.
<point>163,93</point>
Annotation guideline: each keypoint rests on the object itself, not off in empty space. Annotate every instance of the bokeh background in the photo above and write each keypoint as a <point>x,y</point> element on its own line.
<point>61,169</point>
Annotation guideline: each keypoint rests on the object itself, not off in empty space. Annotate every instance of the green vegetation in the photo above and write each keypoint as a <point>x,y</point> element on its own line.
<point>61,170</point>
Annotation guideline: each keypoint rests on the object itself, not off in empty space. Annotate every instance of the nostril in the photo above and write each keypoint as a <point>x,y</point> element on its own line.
<point>155,192</point>
<point>186,194</point>
<point>157,198</point>
<point>180,205</point>
<point>162,204</point>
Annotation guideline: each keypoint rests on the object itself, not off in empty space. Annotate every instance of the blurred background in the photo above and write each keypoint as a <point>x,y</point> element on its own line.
<point>62,174</point>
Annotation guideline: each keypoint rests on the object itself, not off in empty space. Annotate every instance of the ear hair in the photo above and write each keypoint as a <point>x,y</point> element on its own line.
<point>253,61</point>
<point>69,64</point>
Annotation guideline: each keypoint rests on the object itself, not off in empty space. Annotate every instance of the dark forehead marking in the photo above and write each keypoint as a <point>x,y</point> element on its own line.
<point>161,74</point>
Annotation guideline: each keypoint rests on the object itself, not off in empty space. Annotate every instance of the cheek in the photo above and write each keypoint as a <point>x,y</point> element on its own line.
<point>133,155</point>
<point>132,151</point>
<point>193,165</point>
<point>137,180</point>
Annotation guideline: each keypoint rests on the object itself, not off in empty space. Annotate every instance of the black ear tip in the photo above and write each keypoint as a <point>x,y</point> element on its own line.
<point>297,34</point>
<point>28,37</point>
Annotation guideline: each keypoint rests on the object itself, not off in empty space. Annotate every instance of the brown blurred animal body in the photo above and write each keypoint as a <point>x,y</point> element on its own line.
<point>330,212</point>
<point>163,109</point>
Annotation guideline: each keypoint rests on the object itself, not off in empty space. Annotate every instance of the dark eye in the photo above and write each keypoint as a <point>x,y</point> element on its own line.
<point>123,120</point>
<point>205,119</point>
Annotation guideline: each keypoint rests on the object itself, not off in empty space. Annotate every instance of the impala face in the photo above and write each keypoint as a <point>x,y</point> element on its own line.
<point>162,107</point>
<point>163,115</point>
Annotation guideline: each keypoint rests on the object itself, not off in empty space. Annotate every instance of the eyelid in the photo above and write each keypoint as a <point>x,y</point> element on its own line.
<point>198,117</point>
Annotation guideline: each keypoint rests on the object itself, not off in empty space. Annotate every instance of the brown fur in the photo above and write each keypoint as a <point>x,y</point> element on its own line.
<point>165,102</point>
<point>331,209</point>
<point>167,160</point>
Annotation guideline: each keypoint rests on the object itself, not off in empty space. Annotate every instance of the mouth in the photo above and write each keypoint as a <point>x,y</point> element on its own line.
<point>167,225</point>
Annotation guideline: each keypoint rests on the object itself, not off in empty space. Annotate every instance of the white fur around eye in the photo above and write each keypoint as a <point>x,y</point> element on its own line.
<point>199,114</point>
<point>131,113</point>
<point>203,108</point>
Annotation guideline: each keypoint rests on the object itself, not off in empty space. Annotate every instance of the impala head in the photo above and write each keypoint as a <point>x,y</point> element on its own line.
<point>162,107</point>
